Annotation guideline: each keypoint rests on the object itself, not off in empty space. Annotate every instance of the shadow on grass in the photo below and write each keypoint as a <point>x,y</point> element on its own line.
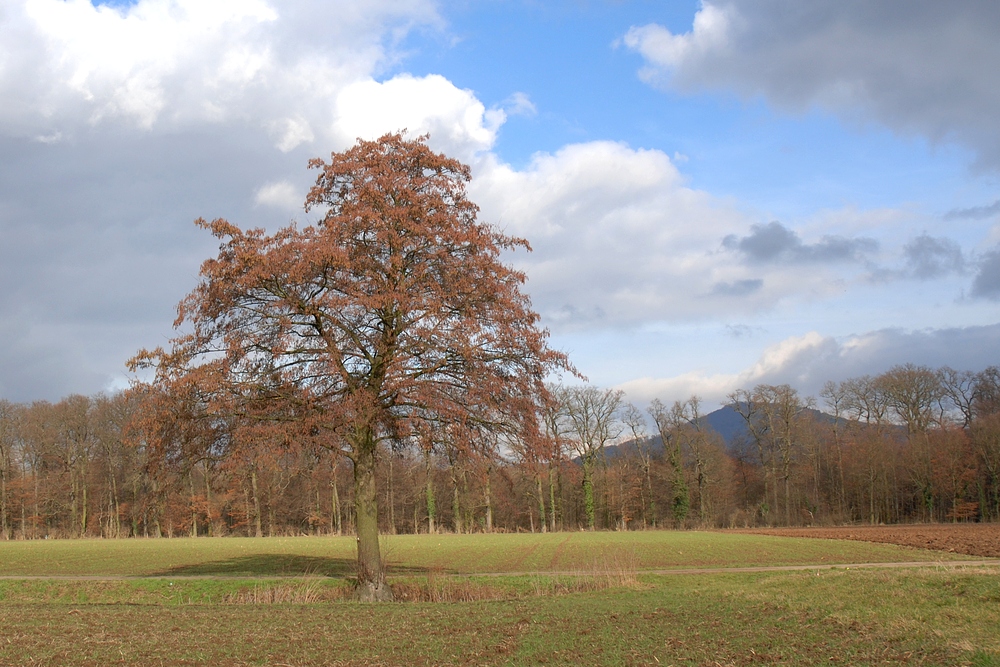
<point>277,565</point>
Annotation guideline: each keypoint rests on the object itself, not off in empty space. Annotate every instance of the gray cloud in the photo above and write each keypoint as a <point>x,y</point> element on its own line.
<point>807,362</point>
<point>964,348</point>
<point>922,67</point>
<point>737,287</point>
<point>973,213</point>
<point>742,330</point>
<point>986,284</point>
<point>774,242</point>
<point>929,257</point>
<point>98,245</point>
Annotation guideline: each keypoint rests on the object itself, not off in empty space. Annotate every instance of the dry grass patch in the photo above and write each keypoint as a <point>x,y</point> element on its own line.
<point>616,568</point>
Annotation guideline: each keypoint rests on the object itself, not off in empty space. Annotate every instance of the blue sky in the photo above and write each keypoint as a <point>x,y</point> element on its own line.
<point>719,193</point>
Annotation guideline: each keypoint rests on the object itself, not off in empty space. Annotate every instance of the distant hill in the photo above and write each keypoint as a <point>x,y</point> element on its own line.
<point>725,421</point>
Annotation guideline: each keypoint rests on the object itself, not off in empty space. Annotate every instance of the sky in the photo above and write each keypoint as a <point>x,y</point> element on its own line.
<point>718,194</point>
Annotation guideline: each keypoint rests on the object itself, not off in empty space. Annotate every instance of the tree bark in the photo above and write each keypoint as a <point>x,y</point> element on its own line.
<point>194,506</point>
<point>488,492</point>
<point>371,584</point>
<point>552,497</point>
<point>588,492</point>
<point>335,502</point>
<point>429,494</point>
<point>256,504</point>
<point>541,501</point>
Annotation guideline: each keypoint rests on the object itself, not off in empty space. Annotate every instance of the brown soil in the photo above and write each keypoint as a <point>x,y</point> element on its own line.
<point>975,539</point>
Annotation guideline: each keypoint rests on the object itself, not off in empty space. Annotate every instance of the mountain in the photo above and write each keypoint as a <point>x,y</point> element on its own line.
<point>725,421</point>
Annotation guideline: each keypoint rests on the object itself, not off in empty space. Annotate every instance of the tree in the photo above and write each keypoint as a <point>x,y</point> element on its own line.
<point>592,415</point>
<point>773,417</point>
<point>8,437</point>
<point>670,423</point>
<point>634,419</point>
<point>915,395</point>
<point>394,311</point>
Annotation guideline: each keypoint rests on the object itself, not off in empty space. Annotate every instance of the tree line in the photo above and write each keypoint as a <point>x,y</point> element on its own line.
<point>911,444</point>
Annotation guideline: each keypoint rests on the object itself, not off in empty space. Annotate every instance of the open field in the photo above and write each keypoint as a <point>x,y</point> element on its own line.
<point>409,554</point>
<point>237,616</point>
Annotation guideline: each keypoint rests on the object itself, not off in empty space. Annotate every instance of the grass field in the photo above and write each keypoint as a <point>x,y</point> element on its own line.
<point>460,554</point>
<point>926,616</point>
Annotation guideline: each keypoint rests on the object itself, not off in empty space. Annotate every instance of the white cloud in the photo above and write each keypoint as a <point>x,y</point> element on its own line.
<point>282,194</point>
<point>180,63</point>
<point>926,67</point>
<point>807,362</point>
<point>457,122</point>
<point>519,104</point>
<point>620,239</point>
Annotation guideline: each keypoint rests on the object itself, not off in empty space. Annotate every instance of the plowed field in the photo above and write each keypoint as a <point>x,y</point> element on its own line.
<point>975,539</point>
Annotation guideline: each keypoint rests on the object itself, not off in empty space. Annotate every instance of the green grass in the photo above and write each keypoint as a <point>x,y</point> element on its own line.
<point>414,554</point>
<point>857,617</point>
<point>925,616</point>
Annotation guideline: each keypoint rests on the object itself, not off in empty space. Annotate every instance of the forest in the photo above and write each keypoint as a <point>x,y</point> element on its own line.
<point>913,444</point>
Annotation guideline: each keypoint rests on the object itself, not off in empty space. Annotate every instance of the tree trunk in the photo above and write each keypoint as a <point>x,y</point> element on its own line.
<point>541,502</point>
<point>84,506</point>
<point>335,506</point>
<point>588,492</point>
<point>336,523</point>
<point>256,504</point>
<point>552,497</point>
<point>456,504</point>
<point>194,506</point>
<point>429,494</point>
<point>487,491</point>
<point>371,585</point>
<point>392,502</point>
<point>116,505</point>
<point>3,497</point>
<point>208,501</point>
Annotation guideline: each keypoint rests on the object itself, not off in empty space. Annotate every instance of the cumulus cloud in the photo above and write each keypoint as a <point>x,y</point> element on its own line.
<point>774,242</point>
<point>618,238</point>
<point>807,362</point>
<point>69,65</point>
<point>926,68</point>
<point>456,120</point>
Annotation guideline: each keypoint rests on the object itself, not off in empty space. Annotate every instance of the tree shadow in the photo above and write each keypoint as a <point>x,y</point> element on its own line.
<point>277,565</point>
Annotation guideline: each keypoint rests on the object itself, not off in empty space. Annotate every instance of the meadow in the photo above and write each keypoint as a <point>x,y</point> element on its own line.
<point>563,598</point>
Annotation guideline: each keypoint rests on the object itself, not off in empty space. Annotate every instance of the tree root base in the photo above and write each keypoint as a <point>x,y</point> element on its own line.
<point>369,591</point>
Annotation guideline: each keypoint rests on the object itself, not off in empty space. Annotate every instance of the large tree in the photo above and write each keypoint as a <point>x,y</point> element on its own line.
<point>392,316</point>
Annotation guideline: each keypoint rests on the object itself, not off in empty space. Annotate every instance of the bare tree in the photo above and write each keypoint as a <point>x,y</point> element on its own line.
<point>958,388</point>
<point>772,416</point>
<point>669,423</point>
<point>592,414</point>
<point>635,421</point>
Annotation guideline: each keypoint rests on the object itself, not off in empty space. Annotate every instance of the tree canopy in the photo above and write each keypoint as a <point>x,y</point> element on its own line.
<point>393,316</point>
